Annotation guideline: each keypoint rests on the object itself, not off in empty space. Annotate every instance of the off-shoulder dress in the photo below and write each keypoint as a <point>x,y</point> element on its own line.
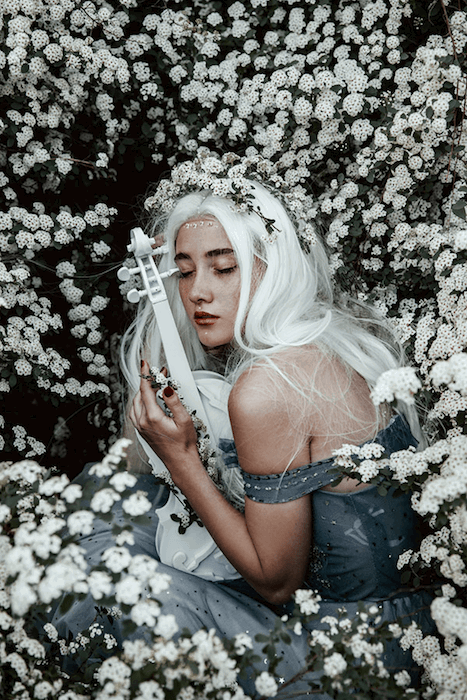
<point>357,540</point>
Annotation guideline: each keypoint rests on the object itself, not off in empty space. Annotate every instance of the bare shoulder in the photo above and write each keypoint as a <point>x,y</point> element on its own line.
<point>280,378</point>
<point>264,406</point>
<point>262,389</point>
<point>298,408</point>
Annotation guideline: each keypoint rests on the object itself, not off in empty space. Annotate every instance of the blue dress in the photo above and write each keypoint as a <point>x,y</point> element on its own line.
<point>357,540</point>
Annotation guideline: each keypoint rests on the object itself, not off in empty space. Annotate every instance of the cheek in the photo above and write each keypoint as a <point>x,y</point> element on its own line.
<point>183,291</point>
<point>231,297</point>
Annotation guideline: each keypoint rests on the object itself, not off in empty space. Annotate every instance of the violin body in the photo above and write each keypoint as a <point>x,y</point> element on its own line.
<point>194,551</point>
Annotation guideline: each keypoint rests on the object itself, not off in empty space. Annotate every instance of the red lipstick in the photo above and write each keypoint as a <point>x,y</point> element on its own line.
<point>204,319</point>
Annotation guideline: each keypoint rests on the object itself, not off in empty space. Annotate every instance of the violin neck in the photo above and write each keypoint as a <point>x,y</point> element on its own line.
<point>177,360</point>
<point>143,249</point>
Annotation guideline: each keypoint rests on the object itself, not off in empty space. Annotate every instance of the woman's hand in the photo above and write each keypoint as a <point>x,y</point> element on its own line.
<point>172,439</point>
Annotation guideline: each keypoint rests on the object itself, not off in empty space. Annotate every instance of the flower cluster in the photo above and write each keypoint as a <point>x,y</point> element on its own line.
<point>42,517</point>
<point>231,176</point>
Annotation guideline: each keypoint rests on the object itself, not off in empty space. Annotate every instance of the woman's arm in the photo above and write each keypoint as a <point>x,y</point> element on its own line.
<point>269,545</point>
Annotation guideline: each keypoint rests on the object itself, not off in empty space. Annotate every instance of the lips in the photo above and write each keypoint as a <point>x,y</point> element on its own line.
<point>204,319</point>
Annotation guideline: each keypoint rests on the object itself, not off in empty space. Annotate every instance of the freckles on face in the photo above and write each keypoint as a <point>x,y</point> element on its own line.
<point>209,280</point>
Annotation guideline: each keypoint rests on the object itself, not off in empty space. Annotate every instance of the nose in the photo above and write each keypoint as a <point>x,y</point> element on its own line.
<point>200,290</point>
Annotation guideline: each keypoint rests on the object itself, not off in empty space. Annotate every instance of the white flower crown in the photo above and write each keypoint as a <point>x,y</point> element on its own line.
<point>230,176</point>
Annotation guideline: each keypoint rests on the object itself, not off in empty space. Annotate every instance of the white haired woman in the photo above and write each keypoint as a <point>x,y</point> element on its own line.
<point>254,300</point>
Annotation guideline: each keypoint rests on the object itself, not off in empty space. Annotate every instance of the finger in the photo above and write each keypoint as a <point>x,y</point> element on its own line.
<point>172,401</point>
<point>136,409</point>
<point>145,380</point>
<point>149,401</point>
<point>158,241</point>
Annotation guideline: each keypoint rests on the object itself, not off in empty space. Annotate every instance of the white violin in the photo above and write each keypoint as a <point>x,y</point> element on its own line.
<point>207,392</point>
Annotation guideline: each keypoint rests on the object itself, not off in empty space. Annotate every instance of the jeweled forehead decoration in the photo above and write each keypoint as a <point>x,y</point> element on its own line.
<point>198,223</point>
<point>230,176</point>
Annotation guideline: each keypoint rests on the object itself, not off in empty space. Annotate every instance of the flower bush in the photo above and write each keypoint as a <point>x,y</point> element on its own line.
<point>42,516</point>
<point>363,104</point>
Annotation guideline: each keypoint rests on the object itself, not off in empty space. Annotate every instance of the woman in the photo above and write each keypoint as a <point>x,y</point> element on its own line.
<point>254,300</point>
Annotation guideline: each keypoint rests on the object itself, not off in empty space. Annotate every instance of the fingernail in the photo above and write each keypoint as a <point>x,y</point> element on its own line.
<point>168,391</point>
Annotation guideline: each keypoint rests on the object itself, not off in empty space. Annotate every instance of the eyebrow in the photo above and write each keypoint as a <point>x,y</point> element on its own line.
<point>210,254</point>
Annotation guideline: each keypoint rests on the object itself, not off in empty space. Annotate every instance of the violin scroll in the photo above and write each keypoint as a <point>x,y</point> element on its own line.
<point>143,249</point>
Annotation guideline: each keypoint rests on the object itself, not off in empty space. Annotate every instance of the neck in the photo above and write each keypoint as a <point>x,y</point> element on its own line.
<point>218,357</point>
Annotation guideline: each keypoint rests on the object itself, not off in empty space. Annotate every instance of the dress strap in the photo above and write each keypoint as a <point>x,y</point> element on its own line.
<point>300,481</point>
<point>292,484</point>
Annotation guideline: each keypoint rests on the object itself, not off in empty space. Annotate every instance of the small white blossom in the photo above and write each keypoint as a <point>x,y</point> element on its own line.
<point>334,665</point>
<point>266,685</point>
<point>401,383</point>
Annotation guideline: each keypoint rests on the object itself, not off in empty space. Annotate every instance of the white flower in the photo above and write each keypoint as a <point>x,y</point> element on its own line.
<point>166,626</point>
<point>122,480</point>
<point>23,367</point>
<point>125,537</point>
<point>334,665</point>
<point>401,383</point>
<point>103,500</point>
<point>72,493</point>
<point>151,690</point>
<point>298,628</point>
<point>266,685</point>
<point>308,601</point>
<point>368,469</point>
<point>5,513</point>
<point>100,584</point>
<point>115,671</point>
<point>136,504</point>
<point>402,679</point>
<point>116,559</point>
<point>80,522</point>
<point>145,612</point>
<point>51,631</point>
<point>128,590</point>
<point>22,597</point>
<point>159,583</point>
<point>452,372</point>
<point>242,642</point>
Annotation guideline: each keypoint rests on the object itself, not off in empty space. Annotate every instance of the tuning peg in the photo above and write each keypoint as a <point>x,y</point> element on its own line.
<point>134,295</point>
<point>161,250</point>
<point>125,273</point>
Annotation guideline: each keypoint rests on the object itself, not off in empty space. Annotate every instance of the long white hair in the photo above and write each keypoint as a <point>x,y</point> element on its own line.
<point>292,305</point>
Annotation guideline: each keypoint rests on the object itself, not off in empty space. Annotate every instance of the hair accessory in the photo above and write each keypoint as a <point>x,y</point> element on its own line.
<point>230,176</point>
<point>195,224</point>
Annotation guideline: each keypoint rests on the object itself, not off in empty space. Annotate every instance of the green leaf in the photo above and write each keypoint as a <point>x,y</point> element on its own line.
<point>405,578</point>
<point>459,208</point>
<point>261,638</point>
<point>66,603</point>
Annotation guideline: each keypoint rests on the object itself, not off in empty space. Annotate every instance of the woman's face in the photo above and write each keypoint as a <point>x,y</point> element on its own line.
<point>209,280</point>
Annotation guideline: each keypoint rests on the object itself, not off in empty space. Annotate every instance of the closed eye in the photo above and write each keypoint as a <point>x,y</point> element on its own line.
<point>227,270</point>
